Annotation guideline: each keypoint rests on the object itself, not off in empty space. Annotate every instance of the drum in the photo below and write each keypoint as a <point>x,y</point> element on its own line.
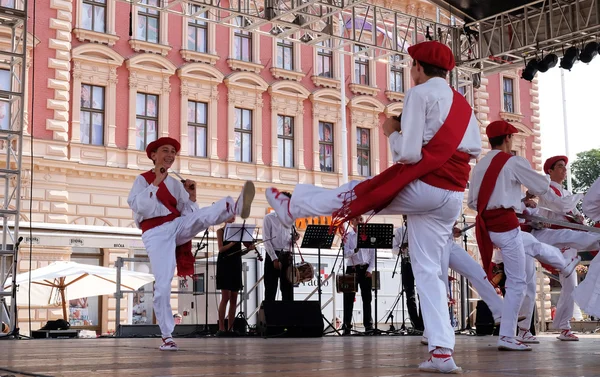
<point>346,283</point>
<point>375,281</point>
<point>300,273</point>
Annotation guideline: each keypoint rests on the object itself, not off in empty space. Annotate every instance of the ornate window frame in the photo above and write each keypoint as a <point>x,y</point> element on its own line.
<point>245,90</point>
<point>199,82</point>
<point>295,74</point>
<point>240,65</point>
<point>95,65</point>
<point>516,115</point>
<point>109,37</point>
<point>148,73</point>
<point>392,109</point>
<point>519,142</point>
<point>360,89</point>
<point>287,98</point>
<point>328,82</point>
<point>389,93</point>
<point>162,47</point>
<point>364,112</point>
<point>210,57</point>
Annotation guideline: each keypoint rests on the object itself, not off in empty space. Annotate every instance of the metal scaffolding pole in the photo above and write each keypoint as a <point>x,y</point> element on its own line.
<point>13,23</point>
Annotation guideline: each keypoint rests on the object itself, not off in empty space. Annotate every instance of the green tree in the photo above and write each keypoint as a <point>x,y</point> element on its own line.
<point>585,170</point>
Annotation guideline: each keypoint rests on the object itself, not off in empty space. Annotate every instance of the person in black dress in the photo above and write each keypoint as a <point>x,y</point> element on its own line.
<point>229,277</point>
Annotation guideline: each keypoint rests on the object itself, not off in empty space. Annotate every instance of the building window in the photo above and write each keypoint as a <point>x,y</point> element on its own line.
<point>93,15</point>
<point>7,4</point>
<point>146,120</point>
<point>5,78</point>
<point>324,61</point>
<point>242,41</point>
<point>285,141</point>
<point>364,151</point>
<point>91,118</point>
<point>243,135</point>
<point>197,128</point>
<point>396,75</point>
<point>285,54</point>
<point>148,24</point>
<point>197,32</point>
<point>509,98</point>
<point>326,146</point>
<point>361,66</point>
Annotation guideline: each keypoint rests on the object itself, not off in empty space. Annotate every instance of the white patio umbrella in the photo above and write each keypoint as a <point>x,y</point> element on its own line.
<point>60,282</point>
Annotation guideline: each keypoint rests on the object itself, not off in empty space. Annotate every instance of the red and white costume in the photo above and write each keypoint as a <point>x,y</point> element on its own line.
<point>440,134</point>
<point>495,192</point>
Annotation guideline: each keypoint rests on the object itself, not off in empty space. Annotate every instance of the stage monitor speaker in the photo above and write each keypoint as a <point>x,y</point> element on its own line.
<point>484,320</point>
<point>290,319</point>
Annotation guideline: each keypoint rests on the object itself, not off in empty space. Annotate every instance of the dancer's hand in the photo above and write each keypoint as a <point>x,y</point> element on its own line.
<point>456,232</point>
<point>161,174</point>
<point>390,126</point>
<point>529,203</point>
<point>276,264</point>
<point>368,274</point>
<point>190,187</point>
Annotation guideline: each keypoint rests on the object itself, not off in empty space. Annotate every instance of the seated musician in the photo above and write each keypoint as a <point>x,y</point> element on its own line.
<point>360,262</point>
<point>229,277</point>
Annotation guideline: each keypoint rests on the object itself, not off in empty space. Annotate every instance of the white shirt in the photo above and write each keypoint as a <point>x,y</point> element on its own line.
<point>400,238</point>
<point>426,107</point>
<point>507,193</point>
<point>362,256</point>
<point>145,205</point>
<point>558,204</point>
<point>591,202</point>
<point>272,227</point>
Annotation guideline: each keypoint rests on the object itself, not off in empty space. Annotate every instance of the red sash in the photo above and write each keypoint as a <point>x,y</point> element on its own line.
<point>442,166</point>
<point>183,253</point>
<point>569,219</point>
<point>495,220</point>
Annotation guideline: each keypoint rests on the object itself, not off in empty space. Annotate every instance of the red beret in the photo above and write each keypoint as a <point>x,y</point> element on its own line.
<point>553,160</point>
<point>500,128</point>
<point>434,53</point>
<point>153,146</point>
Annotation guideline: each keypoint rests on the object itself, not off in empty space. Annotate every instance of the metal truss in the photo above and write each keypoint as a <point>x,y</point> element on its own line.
<point>502,41</point>
<point>13,34</point>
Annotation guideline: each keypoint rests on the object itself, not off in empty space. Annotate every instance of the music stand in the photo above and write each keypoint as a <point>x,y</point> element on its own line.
<point>374,236</point>
<point>239,233</point>
<point>319,237</point>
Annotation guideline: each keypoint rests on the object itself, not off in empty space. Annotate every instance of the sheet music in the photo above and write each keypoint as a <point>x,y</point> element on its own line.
<point>239,232</point>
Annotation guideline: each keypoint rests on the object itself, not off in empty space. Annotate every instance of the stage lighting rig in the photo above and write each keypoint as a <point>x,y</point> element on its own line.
<point>306,38</point>
<point>569,58</point>
<point>549,61</point>
<point>530,70</point>
<point>589,52</point>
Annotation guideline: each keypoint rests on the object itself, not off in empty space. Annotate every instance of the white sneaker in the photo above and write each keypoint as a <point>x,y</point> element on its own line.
<point>567,335</point>
<point>525,336</point>
<point>506,343</point>
<point>281,204</point>
<point>440,363</point>
<point>244,201</point>
<point>168,345</point>
<point>570,267</point>
<point>424,340</point>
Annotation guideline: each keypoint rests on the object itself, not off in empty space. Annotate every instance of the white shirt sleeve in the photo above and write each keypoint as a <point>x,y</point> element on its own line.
<point>406,146</point>
<point>350,245</point>
<point>591,202</point>
<point>560,204</point>
<point>142,198</point>
<point>268,233</point>
<point>371,261</point>
<point>536,183</point>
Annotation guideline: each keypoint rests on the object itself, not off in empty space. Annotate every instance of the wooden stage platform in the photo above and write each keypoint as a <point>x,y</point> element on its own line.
<point>333,356</point>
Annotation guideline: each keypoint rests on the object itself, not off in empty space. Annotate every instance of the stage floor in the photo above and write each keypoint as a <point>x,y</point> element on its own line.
<point>383,356</point>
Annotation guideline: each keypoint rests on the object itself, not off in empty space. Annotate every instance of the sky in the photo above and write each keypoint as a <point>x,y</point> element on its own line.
<point>582,88</point>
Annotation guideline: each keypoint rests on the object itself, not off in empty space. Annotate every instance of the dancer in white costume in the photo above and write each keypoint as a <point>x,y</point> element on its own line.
<point>587,294</point>
<point>560,204</point>
<point>166,211</point>
<point>495,192</point>
<point>432,154</point>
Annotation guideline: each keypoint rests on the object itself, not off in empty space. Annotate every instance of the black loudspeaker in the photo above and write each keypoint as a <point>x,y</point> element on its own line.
<point>290,319</point>
<point>484,320</point>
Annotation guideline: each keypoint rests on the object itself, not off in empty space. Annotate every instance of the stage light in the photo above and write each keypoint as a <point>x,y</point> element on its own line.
<point>276,30</point>
<point>306,38</point>
<point>569,58</point>
<point>589,52</point>
<point>549,61</point>
<point>530,70</point>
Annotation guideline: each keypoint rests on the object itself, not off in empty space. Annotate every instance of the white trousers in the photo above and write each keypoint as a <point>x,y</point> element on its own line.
<point>431,213</point>
<point>587,294</point>
<point>529,300</point>
<point>566,303</point>
<point>464,264</point>
<point>160,243</point>
<point>513,256</point>
<point>563,238</point>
